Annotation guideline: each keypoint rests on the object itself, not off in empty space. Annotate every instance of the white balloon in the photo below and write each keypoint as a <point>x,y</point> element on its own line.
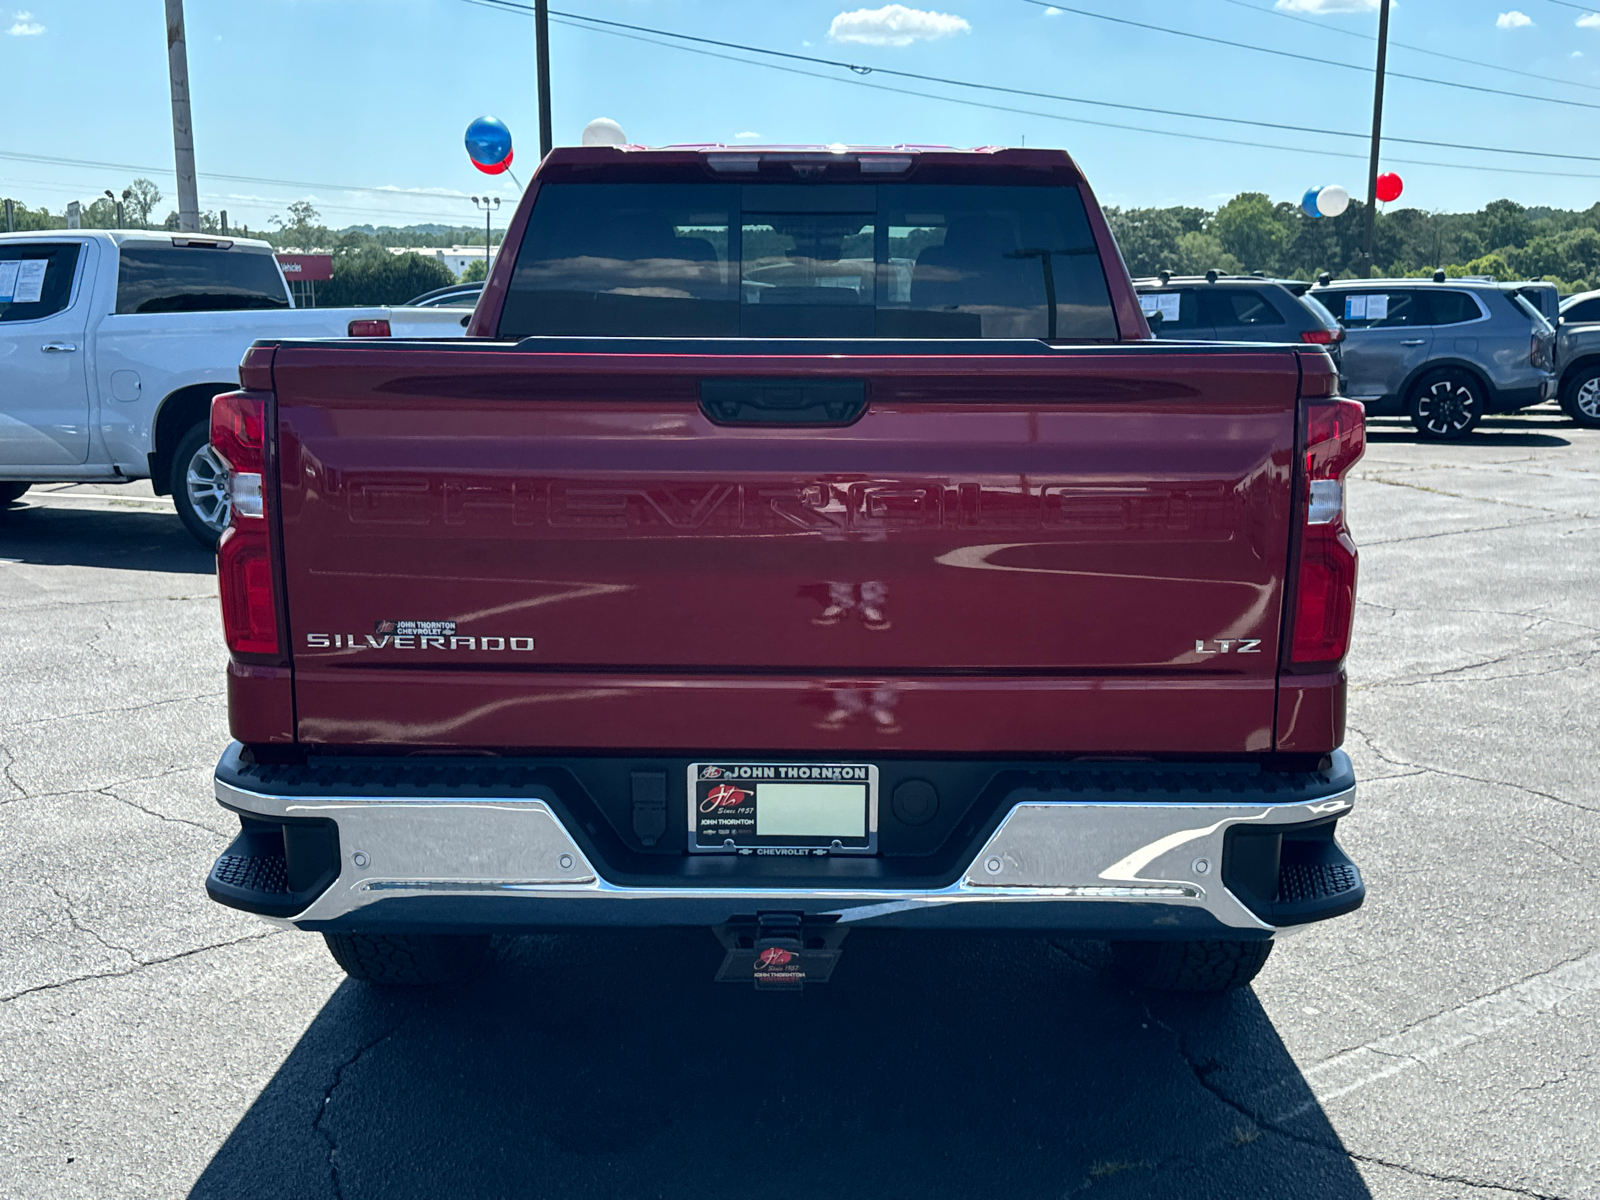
<point>603,131</point>
<point>1332,200</point>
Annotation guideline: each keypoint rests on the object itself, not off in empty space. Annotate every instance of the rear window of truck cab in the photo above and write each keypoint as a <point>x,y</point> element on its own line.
<point>796,260</point>
<point>156,278</point>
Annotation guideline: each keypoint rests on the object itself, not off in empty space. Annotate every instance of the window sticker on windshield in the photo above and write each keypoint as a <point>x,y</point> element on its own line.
<point>8,281</point>
<point>1165,303</point>
<point>1355,308</point>
<point>1377,308</point>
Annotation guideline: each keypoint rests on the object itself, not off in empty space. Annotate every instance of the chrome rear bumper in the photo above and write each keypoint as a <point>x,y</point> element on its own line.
<point>1160,858</point>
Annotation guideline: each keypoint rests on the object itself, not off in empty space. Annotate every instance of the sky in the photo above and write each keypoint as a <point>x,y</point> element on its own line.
<point>360,105</point>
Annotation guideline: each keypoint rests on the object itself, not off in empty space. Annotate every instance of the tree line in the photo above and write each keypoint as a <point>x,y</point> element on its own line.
<point>1504,241</point>
<point>364,271</point>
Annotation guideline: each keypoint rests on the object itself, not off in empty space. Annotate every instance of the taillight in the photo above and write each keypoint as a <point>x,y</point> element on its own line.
<point>1322,337</point>
<point>244,555</point>
<point>1325,587</point>
<point>369,328</point>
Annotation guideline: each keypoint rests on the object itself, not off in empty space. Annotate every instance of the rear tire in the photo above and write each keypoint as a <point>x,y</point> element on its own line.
<point>1580,396</point>
<point>1445,405</point>
<point>199,485</point>
<point>1219,966</point>
<point>409,959</point>
<point>12,492</point>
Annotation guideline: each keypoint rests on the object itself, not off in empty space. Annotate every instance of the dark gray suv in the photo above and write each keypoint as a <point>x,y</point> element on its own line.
<point>1443,353</point>
<point>1237,308</point>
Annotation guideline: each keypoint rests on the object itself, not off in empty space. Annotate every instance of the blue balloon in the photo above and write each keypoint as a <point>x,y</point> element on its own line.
<point>488,141</point>
<point>1308,203</point>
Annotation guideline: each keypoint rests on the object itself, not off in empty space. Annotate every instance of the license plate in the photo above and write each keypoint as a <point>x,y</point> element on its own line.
<point>798,809</point>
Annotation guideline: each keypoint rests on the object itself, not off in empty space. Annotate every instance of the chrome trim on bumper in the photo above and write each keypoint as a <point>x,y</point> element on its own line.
<point>1043,851</point>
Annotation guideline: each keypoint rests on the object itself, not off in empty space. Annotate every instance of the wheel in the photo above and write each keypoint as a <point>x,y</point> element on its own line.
<point>1580,396</point>
<point>199,486</point>
<point>409,959</point>
<point>10,492</point>
<point>1446,405</point>
<point>1191,966</point>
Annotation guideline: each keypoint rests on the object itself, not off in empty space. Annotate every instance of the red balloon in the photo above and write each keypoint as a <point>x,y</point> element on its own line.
<point>1390,186</point>
<point>497,168</point>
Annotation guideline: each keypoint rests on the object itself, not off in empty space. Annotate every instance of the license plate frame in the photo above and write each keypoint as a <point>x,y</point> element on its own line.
<point>810,812</point>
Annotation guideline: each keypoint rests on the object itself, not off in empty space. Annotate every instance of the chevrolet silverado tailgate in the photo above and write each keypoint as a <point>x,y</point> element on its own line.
<point>1006,548</point>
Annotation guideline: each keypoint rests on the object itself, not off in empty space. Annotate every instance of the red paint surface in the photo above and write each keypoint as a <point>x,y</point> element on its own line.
<point>1003,554</point>
<point>260,704</point>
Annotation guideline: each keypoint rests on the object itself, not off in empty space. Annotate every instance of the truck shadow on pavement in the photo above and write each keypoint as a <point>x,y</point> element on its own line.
<point>116,539</point>
<point>610,1065</point>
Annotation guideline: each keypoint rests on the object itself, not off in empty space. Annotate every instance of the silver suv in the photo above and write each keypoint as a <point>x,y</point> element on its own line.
<point>1443,353</point>
<point>1580,358</point>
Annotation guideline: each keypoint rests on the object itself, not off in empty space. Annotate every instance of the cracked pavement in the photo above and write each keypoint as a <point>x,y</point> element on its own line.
<point>1441,1044</point>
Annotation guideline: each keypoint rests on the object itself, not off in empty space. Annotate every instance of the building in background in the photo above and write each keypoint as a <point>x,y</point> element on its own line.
<point>454,257</point>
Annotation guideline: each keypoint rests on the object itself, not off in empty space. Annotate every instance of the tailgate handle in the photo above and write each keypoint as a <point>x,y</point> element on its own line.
<point>783,401</point>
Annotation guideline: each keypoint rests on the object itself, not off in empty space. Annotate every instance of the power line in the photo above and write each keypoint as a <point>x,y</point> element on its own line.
<point>1367,37</point>
<point>508,4</point>
<point>858,69</point>
<point>341,187</point>
<point>1325,62</point>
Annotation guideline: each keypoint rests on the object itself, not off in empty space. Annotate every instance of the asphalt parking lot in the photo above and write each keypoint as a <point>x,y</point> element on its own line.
<point>1442,1042</point>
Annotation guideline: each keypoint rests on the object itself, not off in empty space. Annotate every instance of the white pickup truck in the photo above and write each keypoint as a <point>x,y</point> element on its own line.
<point>112,345</point>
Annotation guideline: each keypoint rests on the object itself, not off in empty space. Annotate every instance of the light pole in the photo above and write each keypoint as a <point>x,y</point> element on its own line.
<point>489,204</point>
<point>112,196</point>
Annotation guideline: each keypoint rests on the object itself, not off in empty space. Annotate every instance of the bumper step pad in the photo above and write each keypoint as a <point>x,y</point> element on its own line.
<point>275,868</point>
<point>1316,880</point>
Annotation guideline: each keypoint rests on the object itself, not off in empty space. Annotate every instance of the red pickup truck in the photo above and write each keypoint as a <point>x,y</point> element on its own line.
<point>801,539</point>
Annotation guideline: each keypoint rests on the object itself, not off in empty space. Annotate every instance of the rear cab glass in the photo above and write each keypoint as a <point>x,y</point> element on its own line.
<point>795,260</point>
<point>157,278</point>
<point>36,278</point>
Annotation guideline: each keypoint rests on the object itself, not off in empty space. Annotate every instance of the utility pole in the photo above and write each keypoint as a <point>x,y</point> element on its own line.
<point>1377,140</point>
<point>541,29</point>
<point>182,128</point>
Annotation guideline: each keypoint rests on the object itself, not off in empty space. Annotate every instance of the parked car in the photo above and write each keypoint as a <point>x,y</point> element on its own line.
<point>1578,358</point>
<point>115,343</point>
<point>1443,353</point>
<point>454,295</point>
<point>1237,308</point>
<point>881,571</point>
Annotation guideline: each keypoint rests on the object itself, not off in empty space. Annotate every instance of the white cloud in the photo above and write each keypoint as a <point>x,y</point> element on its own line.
<point>1512,20</point>
<point>1328,6</point>
<point>1052,12</point>
<point>894,25</point>
<point>1577,54</point>
<point>1589,21</point>
<point>747,134</point>
<point>23,25</point>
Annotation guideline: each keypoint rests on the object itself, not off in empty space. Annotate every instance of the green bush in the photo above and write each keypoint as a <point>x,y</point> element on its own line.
<point>371,275</point>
